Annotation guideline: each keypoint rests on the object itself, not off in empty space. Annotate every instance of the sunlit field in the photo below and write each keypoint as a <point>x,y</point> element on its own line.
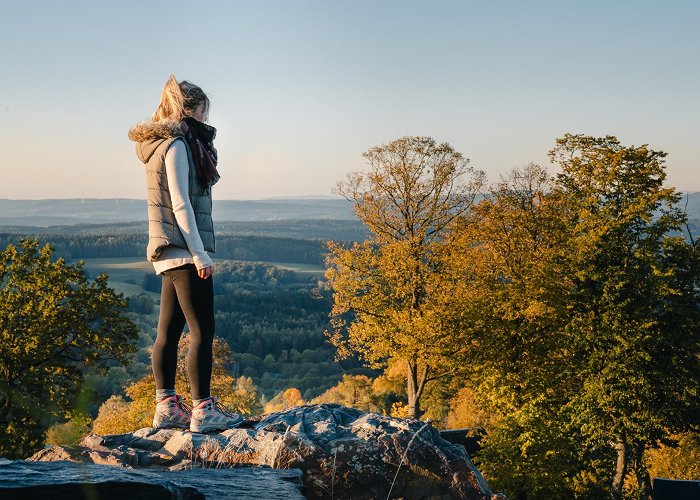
<point>126,273</point>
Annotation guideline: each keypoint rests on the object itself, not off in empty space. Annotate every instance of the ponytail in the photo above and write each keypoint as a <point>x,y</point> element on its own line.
<point>178,100</point>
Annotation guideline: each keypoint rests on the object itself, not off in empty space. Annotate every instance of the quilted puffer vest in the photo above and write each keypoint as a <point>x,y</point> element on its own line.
<point>152,143</point>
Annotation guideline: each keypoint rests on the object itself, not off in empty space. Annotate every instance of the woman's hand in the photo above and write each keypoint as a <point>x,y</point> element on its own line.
<point>205,272</point>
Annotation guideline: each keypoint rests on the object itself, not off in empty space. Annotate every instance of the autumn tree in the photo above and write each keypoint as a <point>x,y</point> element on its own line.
<point>354,391</point>
<point>288,398</point>
<point>389,390</point>
<point>679,459</point>
<point>511,276</point>
<point>509,265</point>
<point>112,417</point>
<point>635,324</point>
<point>387,297</point>
<point>580,294</point>
<point>54,323</point>
<point>465,412</point>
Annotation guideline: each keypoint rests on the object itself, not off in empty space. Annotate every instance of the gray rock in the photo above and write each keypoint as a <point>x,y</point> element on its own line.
<point>342,452</point>
<point>349,454</point>
<point>60,480</point>
<point>50,454</point>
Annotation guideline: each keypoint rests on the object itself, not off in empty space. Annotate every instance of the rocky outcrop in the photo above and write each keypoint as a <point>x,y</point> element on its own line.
<point>342,452</point>
<point>31,480</point>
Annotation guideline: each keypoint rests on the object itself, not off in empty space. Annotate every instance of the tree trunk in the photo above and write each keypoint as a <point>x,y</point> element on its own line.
<point>5,403</point>
<point>412,389</point>
<point>640,470</point>
<point>415,384</point>
<point>621,469</point>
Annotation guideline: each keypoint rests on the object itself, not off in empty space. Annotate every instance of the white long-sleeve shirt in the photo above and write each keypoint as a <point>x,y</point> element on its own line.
<point>177,169</point>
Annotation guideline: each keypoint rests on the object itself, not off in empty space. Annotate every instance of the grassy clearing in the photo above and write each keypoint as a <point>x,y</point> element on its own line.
<point>126,273</point>
<point>124,269</point>
<point>298,268</point>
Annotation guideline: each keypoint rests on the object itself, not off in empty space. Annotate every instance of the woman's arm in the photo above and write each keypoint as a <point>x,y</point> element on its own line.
<point>177,167</point>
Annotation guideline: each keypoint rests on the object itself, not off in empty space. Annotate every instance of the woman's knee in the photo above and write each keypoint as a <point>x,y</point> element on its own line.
<point>165,342</point>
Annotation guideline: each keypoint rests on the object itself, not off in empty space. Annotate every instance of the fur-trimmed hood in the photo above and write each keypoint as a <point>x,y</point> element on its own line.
<point>149,135</point>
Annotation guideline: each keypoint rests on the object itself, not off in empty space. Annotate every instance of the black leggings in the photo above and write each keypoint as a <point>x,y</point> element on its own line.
<point>185,298</point>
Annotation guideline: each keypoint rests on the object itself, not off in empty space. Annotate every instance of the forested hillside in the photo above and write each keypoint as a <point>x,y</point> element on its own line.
<point>273,317</point>
<point>250,248</point>
<point>324,229</point>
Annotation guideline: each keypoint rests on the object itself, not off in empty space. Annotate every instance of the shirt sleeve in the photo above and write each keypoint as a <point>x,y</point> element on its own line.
<point>177,168</point>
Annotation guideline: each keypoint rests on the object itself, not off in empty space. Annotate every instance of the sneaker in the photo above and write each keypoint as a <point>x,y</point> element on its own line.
<point>210,415</point>
<point>172,413</point>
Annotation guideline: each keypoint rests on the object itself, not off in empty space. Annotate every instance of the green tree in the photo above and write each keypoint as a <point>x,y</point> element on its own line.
<point>387,296</point>
<point>511,274</point>
<point>635,324</point>
<point>53,324</point>
<point>579,298</point>
<point>71,432</point>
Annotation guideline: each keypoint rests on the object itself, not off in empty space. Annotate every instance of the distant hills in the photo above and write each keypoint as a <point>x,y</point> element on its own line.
<point>66,212</point>
<point>101,211</point>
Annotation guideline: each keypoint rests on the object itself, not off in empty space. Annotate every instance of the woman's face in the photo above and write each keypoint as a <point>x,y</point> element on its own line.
<point>198,113</point>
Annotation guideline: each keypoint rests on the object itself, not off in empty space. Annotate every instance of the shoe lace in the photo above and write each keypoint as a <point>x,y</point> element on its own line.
<point>221,408</point>
<point>183,406</point>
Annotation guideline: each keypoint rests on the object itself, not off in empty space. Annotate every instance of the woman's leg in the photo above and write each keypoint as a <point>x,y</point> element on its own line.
<point>171,322</point>
<point>196,299</point>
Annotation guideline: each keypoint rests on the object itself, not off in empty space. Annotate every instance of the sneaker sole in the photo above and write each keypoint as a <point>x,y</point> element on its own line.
<point>205,429</point>
<point>170,426</point>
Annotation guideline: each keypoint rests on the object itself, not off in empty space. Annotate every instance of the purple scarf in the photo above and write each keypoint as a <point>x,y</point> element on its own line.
<point>200,138</point>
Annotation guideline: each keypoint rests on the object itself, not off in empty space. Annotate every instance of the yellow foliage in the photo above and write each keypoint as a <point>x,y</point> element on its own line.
<point>112,417</point>
<point>142,405</point>
<point>465,412</point>
<point>396,285</point>
<point>400,410</point>
<point>390,387</point>
<point>244,398</point>
<point>354,391</point>
<point>69,433</point>
<point>680,462</point>
<point>288,398</point>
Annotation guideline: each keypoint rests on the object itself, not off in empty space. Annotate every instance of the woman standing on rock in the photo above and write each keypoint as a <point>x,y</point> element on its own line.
<point>176,148</point>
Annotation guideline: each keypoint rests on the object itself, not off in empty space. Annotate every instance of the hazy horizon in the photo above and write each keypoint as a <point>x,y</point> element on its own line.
<point>300,197</point>
<point>271,198</point>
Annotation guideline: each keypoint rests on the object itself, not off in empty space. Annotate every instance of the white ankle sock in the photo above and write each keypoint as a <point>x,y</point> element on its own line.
<point>161,394</point>
<point>197,402</point>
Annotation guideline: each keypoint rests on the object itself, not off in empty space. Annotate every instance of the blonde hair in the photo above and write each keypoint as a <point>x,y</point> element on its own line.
<point>178,100</point>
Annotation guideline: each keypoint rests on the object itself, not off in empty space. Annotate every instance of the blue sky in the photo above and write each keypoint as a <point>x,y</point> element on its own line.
<point>301,88</point>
